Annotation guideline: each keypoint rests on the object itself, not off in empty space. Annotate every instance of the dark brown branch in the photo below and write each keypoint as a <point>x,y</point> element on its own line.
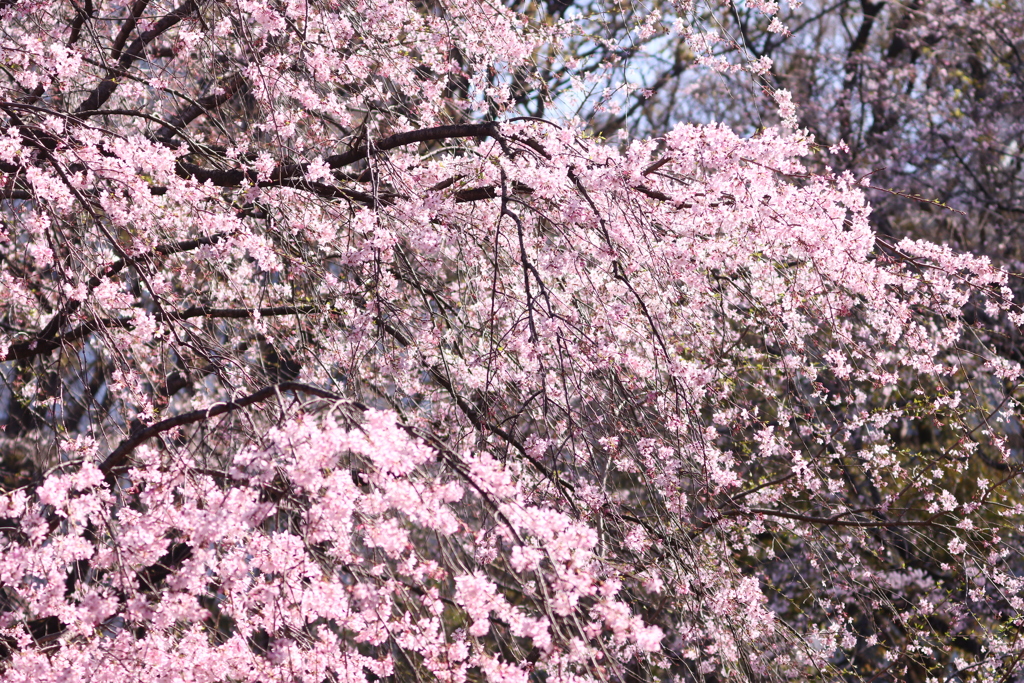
<point>475,194</point>
<point>202,106</point>
<point>870,11</point>
<point>466,130</point>
<point>41,345</point>
<point>82,14</point>
<point>660,196</point>
<point>236,176</point>
<point>119,456</point>
<point>138,7</point>
<point>108,85</point>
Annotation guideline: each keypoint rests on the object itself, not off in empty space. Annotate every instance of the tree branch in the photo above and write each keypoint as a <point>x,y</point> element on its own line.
<point>202,106</point>
<point>236,176</point>
<point>119,456</point>
<point>138,7</point>
<point>108,85</point>
<point>41,345</point>
<point>82,14</point>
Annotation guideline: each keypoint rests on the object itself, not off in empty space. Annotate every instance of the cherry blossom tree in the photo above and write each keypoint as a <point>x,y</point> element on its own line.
<point>326,357</point>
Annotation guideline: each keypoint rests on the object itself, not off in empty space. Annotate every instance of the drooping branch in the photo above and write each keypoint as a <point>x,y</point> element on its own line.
<point>61,317</point>
<point>835,520</point>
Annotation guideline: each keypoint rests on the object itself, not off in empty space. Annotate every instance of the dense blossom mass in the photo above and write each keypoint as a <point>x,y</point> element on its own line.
<point>324,361</point>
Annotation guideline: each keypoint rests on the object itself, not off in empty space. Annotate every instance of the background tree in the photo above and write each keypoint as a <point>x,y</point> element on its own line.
<point>322,361</point>
<point>924,98</point>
